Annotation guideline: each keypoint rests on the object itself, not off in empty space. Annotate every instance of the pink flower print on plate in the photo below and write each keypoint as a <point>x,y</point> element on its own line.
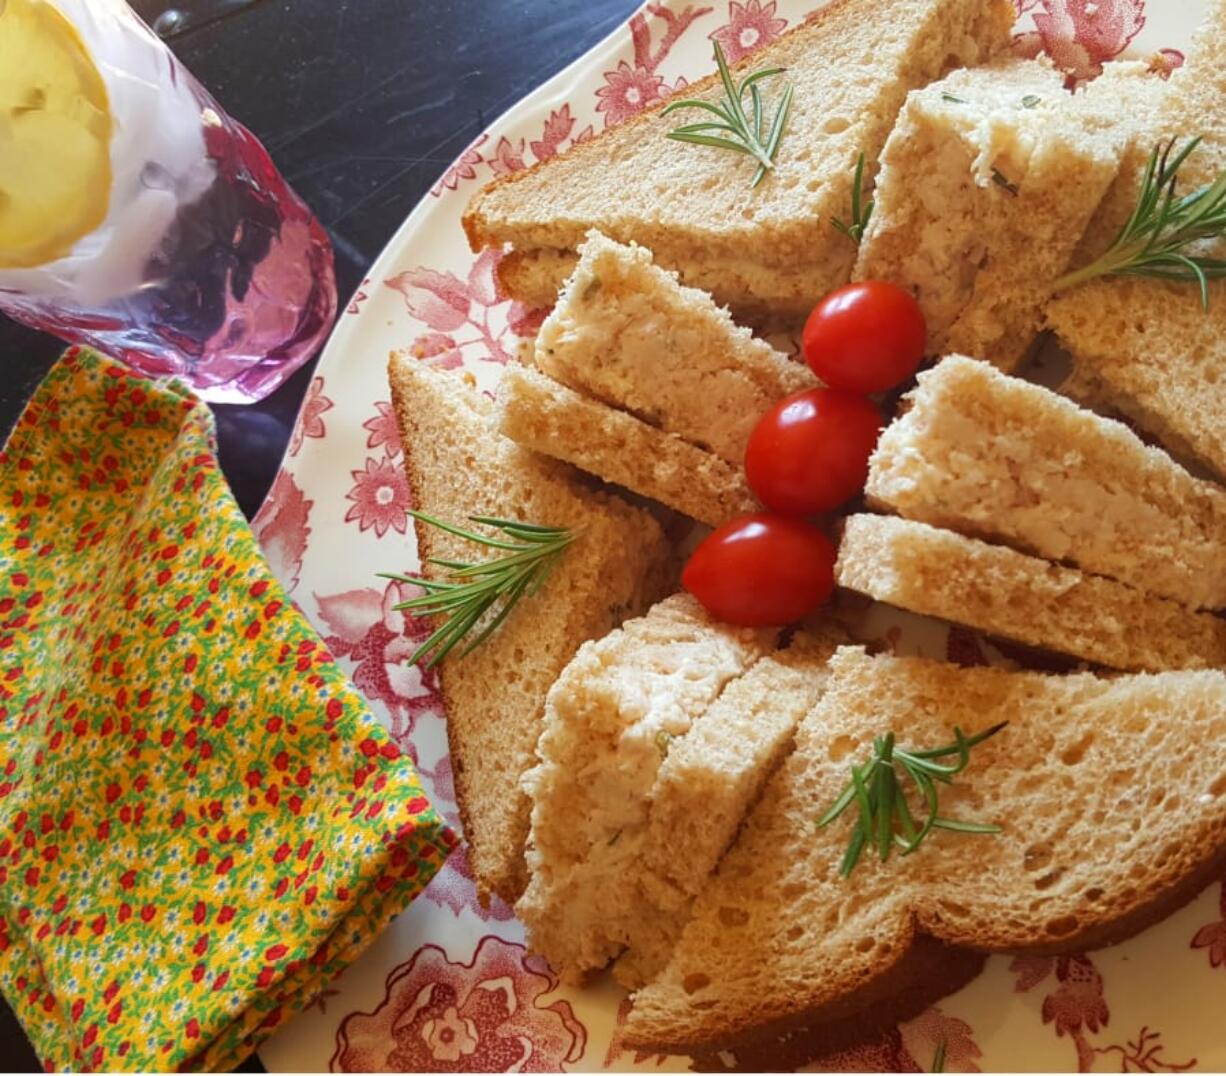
<point>383,429</point>
<point>627,90</point>
<point>489,1015</point>
<point>508,157</point>
<point>380,496</point>
<point>457,309</point>
<point>1212,936</point>
<point>438,350</point>
<point>281,528</point>
<point>557,130</point>
<point>310,419</point>
<point>750,26</point>
<point>464,168</point>
<point>1080,35</point>
<point>365,628</point>
<point>911,1047</point>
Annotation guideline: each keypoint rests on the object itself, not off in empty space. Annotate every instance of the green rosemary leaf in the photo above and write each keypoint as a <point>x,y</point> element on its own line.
<point>952,99</point>
<point>742,133</point>
<point>884,818</point>
<point>952,749</point>
<point>838,807</point>
<point>471,590</point>
<point>964,827</point>
<point>861,211</point>
<point>1001,180</point>
<point>938,1058</point>
<point>1160,237</point>
<point>1031,100</point>
<point>855,846</point>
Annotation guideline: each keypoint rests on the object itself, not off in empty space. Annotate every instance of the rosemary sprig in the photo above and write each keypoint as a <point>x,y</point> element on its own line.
<point>885,818</point>
<point>1155,239</point>
<point>861,211</point>
<point>740,132</point>
<point>1001,180</point>
<point>471,590</point>
<point>938,1058</point>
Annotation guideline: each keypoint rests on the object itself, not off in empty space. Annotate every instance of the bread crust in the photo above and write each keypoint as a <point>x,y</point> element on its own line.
<point>863,935</point>
<point>472,221</point>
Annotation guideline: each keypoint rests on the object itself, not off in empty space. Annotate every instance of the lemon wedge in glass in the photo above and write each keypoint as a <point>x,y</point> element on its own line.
<point>55,136</point>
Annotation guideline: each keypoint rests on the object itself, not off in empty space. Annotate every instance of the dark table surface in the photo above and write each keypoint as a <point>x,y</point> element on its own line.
<point>363,104</point>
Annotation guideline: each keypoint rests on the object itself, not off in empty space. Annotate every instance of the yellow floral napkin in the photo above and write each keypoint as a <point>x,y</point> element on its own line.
<point>200,820</point>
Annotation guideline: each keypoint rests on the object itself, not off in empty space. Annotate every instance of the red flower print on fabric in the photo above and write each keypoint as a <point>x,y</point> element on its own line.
<point>383,429</point>
<point>365,628</point>
<point>380,496</point>
<point>489,1015</point>
<point>310,421</point>
<point>1080,35</point>
<point>282,529</point>
<point>447,305</point>
<point>750,26</point>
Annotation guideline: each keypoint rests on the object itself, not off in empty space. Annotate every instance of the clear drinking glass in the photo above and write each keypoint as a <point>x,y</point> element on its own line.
<point>206,264</point>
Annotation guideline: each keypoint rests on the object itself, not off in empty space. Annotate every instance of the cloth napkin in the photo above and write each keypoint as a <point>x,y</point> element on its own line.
<point>200,821</point>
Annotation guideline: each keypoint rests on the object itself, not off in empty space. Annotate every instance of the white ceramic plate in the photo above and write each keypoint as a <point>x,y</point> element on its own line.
<point>450,986</point>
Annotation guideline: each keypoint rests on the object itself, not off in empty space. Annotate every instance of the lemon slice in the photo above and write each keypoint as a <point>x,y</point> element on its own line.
<point>55,135</point>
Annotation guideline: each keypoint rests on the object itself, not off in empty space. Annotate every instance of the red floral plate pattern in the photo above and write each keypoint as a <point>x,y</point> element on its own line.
<point>450,986</point>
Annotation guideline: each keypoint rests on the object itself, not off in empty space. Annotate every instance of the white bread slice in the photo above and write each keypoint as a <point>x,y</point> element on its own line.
<point>495,696</point>
<point>1109,792</point>
<point>609,720</point>
<point>850,64</point>
<point>759,295</point>
<point>1000,591</point>
<point>1000,458</point>
<point>705,787</point>
<point>1146,348</point>
<point>978,255</point>
<point>625,332</point>
<point>549,418</point>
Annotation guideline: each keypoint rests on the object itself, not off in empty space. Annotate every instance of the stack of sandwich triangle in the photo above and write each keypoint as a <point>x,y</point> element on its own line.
<point>642,782</point>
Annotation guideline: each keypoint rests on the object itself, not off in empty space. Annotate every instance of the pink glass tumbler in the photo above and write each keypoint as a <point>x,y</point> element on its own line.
<point>208,266</point>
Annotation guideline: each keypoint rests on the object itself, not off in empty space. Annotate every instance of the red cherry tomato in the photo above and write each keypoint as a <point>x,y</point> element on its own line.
<point>865,337</point>
<point>761,570</point>
<point>809,453</point>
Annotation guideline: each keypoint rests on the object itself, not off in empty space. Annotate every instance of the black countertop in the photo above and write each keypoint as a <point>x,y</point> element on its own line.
<point>362,104</point>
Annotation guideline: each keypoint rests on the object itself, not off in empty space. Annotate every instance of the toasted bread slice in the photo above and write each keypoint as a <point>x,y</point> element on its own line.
<point>625,332</point>
<point>539,414</point>
<point>495,696</point>
<point>694,206</point>
<point>1013,168</point>
<point>608,723</point>
<point>1000,458</point>
<point>1000,591</point>
<point>1109,794</point>
<point>708,780</point>
<point>1147,348</point>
